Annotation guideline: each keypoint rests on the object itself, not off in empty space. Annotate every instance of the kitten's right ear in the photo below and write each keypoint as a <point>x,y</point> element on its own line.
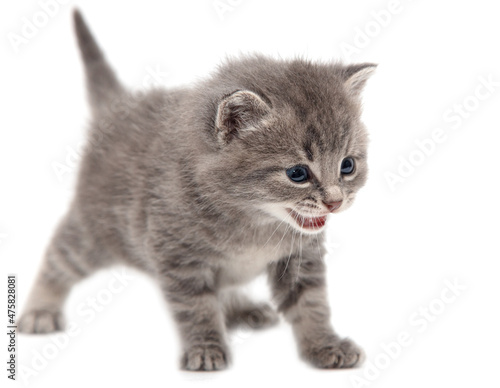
<point>238,112</point>
<point>355,77</point>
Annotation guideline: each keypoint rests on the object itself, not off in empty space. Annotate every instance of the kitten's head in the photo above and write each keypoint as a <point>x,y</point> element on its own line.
<point>290,143</point>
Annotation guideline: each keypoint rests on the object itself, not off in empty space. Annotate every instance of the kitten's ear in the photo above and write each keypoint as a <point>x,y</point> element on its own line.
<point>355,77</point>
<point>238,112</point>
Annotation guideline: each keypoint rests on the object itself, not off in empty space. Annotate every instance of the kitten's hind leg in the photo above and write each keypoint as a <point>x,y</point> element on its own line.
<point>63,266</point>
<point>239,310</point>
<point>43,311</point>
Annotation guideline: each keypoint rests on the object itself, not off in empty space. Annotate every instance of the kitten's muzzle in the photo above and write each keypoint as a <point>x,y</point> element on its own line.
<point>308,222</point>
<point>332,206</point>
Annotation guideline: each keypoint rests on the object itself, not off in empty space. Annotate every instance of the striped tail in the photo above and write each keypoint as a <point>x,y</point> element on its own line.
<point>102,84</point>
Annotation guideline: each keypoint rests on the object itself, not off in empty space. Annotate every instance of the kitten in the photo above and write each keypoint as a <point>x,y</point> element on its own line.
<point>206,187</point>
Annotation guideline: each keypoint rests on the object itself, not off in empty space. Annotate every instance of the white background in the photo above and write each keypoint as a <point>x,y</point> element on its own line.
<point>391,255</point>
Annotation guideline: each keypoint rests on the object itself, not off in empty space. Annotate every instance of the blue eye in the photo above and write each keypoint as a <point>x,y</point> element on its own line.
<point>347,166</point>
<point>298,174</point>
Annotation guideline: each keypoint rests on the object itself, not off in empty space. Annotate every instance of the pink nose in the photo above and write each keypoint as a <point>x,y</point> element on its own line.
<point>332,206</point>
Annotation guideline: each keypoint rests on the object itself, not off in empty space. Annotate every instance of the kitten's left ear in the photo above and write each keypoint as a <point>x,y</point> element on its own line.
<point>355,77</point>
<point>239,112</point>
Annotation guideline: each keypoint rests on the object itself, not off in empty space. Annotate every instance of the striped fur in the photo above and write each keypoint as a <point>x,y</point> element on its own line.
<point>190,186</point>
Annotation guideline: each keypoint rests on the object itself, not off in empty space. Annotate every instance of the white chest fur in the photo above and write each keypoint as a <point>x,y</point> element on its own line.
<point>245,265</point>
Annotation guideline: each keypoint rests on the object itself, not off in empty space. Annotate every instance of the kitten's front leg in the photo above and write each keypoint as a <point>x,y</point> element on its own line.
<point>191,294</point>
<point>298,285</point>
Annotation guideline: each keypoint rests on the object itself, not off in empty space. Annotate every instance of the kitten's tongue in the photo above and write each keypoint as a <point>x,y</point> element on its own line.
<point>309,222</point>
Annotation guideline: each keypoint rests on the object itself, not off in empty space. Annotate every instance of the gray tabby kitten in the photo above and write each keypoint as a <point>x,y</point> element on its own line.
<point>206,187</point>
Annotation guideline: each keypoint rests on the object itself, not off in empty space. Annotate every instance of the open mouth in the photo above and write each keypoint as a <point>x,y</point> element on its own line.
<point>311,223</point>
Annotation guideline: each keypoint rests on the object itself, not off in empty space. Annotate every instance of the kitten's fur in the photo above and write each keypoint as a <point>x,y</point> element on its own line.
<point>190,186</point>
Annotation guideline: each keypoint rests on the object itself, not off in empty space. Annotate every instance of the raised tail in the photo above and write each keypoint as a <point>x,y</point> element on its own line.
<point>102,84</point>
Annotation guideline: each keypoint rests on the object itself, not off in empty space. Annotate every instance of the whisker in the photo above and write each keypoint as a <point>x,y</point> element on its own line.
<point>291,250</point>
<point>284,234</point>
<point>289,256</point>
<point>300,258</point>
<point>272,234</point>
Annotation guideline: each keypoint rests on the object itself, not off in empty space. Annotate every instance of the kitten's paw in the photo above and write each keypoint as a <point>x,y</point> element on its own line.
<point>340,353</point>
<point>258,317</point>
<point>40,322</point>
<point>205,358</point>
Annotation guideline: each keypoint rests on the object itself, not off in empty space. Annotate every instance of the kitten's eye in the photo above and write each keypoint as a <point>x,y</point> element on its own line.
<point>347,166</point>
<point>298,174</point>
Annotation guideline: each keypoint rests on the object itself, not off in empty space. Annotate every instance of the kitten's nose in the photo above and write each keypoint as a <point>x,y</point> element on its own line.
<point>332,206</point>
